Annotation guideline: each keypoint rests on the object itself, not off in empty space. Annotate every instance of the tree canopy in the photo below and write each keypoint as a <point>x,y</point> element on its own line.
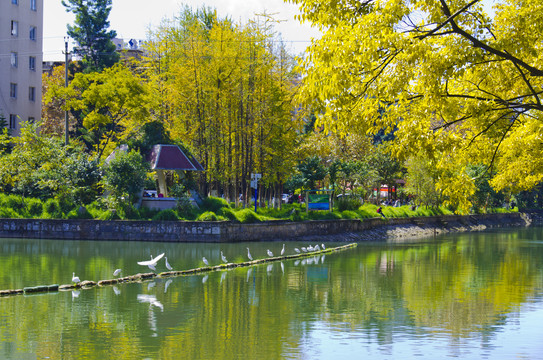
<point>91,33</point>
<point>454,79</point>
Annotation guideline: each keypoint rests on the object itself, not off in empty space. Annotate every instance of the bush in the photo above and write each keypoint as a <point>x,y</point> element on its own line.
<point>348,203</point>
<point>7,213</point>
<point>34,207</point>
<point>80,213</point>
<point>52,209</point>
<point>247,216</point>
<point>229,214</point>
<point>166,215</point>
<point>214,204</point>
<point>208,216</point>
<point>347,214</point>
<point>109,215</point>
<point>323,215</point>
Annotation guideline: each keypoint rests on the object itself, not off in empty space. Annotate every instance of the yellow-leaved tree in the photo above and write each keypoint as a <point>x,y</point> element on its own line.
<point>457,80</point>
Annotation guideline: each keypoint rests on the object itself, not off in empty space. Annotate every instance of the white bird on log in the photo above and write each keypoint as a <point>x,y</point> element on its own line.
<point>117,272</point>
<point>205,261</point>
<point>317,248</point>
<point>283,250</point>
<point>75,279</point>
<point>270,254</point>
<point>223,258</point>
<point>249,254</point>
<point>304,249</point>
<point>168,266</point>
<point>297,250</point>
<point>323,247</point>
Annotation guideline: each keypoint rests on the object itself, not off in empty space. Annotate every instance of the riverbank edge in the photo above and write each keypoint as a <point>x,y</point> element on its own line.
<point>374,229</point>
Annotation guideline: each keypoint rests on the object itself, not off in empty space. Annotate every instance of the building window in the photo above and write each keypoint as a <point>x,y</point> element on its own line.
<point>32,93</point>
<point>13,90</point>
<point>14,60</point>
<point>33,33</point>
<point>32,63</point>
<point>31,120</point>
<point>12,121</point>
<point>16,2</point>
<point>14,28</point>
<point>32,4</point>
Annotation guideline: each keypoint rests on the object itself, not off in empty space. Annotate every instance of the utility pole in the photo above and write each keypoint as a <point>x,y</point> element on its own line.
<point>66,137</point>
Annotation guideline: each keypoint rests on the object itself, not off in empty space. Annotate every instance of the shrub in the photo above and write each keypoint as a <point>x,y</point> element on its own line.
<point>8,213</point>
<point>347,214</point>
<point>109,215</point>
<point>80,213</point>
<point>247,216</point>
<point>34,207</point>
<point>214,204</point>
<point>323,215</point>
<point>52,209</point>
<point>208,216</point>
<point>166,215</point>
<point>348,203</point>
<point>229,214</point>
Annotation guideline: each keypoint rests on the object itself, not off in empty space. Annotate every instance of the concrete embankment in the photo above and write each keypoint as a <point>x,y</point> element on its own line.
<point>192,231</point>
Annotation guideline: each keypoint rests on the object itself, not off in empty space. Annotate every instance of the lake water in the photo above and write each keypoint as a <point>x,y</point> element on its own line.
<point>468,296</point>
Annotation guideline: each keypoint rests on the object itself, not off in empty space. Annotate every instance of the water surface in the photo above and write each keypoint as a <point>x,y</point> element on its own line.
<point>469,296</point>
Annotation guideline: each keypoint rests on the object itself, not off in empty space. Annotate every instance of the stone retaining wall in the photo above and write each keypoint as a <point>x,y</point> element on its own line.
<point>187,231</point>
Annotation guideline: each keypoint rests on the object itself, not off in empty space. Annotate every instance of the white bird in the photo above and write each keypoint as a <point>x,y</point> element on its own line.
<point>168,266</point>
<point>310,248</point>
<point>205,261</point>
<point>317,248</point>
<point>117,272</point>
<point>167,284</point>
<point>297,250</point>
<point>75,279</point>
<point>152,267</point>
<point>323,247</point>
<point>304,249</point>
<point>223,258</point>
<point>283,249</point>
<point>152,262</point>
<point>249,254</point>
<point>270,254</point>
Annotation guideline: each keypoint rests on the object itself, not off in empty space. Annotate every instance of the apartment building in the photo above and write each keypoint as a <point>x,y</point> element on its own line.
<point>21,34</point>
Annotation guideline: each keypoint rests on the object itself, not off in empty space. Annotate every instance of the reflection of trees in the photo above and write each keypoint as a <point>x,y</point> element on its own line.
<point>460,287</point>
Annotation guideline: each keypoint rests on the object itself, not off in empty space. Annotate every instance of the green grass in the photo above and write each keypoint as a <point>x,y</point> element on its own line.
<point>213,209</point>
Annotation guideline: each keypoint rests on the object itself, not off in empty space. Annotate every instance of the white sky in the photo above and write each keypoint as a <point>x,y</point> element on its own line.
<point>132,18</point>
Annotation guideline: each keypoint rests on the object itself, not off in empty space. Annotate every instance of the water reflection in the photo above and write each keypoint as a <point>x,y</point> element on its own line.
<point>460,296</point>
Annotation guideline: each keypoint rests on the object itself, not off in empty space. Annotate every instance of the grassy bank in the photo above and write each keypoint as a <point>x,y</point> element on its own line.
<point>213,209</point>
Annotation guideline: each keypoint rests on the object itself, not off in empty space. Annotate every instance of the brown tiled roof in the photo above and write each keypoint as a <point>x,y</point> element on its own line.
<point>171,157</point>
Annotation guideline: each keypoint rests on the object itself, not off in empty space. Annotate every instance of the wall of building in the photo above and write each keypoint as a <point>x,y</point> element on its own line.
<point>27,14</point>
<point>187,231</point>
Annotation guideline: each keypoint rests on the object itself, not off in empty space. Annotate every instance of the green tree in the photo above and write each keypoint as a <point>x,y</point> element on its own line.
<point>91,33</point>
<point>312,171</point>
<point>125,175</point>
<point>421,179</point>
<point>456,82</point>
<point>112,105</point>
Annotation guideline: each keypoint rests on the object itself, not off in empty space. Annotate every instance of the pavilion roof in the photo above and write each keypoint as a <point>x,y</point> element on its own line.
<point>171,157</point>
